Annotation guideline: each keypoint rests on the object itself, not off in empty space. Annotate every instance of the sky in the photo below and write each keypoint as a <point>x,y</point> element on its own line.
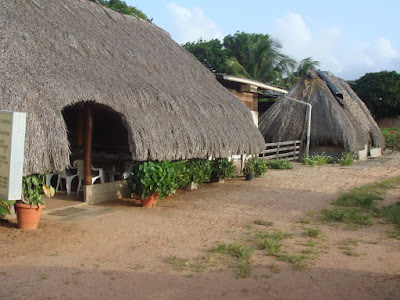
<point>348,38</point>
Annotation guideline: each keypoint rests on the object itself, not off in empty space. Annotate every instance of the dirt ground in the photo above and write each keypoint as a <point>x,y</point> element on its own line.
<point>164,253</point>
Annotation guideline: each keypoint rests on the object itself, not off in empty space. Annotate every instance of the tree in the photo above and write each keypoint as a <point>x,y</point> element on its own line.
<point>380,92</point>
<point>299,71</point>
<point>257,56</point>
<point>211,54</point>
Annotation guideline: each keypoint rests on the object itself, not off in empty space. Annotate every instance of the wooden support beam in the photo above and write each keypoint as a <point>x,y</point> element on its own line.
<point>88,143</point>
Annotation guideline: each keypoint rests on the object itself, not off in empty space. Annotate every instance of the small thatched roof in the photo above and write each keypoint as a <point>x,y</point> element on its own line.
<point>344,121</point>
<point>57,53</point>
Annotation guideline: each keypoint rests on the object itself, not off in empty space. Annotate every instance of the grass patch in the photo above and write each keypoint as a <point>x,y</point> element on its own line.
<point>264,223</point>
<point>274,268</point>
<point>178,264</point>
<point>299,261</point>
<point>312,232</point>
<point>240,253</point>
<point>358,198</point>
<point>392,214</point>
<point>271,241</point>
<point>349,216</point>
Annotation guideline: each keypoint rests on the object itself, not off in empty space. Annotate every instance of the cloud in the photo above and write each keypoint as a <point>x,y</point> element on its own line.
<point>192,24</point>
<point>344,56</point>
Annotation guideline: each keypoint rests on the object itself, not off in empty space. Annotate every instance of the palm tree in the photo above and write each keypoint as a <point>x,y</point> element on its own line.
<point>263,60</point>
<point>294,75</point>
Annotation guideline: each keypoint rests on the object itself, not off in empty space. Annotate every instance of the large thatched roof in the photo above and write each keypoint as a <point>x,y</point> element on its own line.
<point>344,122</point>
<point>61,52</point>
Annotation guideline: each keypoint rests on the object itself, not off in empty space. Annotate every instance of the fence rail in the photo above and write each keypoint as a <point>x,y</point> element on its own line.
<point>288,149</point>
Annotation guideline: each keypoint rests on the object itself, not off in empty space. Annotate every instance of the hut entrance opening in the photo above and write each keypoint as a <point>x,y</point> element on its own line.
<point>99,145</point>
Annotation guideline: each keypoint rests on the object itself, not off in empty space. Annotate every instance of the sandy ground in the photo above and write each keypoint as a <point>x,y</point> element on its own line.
<point>164,253</point>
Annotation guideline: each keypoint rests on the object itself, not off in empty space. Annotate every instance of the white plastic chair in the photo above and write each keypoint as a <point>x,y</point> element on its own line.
<point>129,165</point>
<point>112,173</point>
<point>79,164</point>
<point>68,180</point>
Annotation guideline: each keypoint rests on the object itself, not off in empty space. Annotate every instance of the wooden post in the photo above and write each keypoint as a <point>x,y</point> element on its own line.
<point>277,150</point>
<point>88,140</point>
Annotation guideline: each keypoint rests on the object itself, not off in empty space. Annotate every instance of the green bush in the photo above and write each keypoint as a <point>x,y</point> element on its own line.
<point>280,164</point>
<point>223,168</point>
<point>199,170</point>
<point>34,189</point>
<point>392,138</point>
<point>347,159</point>
<point>317,160</point>
<point>160,177</point>
<point>256,166</point>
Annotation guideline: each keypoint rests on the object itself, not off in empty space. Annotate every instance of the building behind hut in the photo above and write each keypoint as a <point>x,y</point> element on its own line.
<point>340,121</point>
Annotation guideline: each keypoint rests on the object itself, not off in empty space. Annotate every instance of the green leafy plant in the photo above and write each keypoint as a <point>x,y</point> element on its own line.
<point>5,206</point>
<point>160,177</point>
<point>256,166</point>
<point>199,170</point>
<point>347,159</point>
<point>280,164</point>
<point>317,160</point>
<point>34,190</point>
<point>392,138</point>
<point>223,168</point>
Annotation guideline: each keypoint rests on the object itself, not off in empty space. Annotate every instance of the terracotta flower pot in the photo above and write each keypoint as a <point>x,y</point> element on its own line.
<point>28,217</point>
<point>150,201</point>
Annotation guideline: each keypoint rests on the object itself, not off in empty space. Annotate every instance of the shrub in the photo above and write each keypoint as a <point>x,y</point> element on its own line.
<point>280,164</point>
<point>256,166</point>
<point>392,138</point>
<point>198,170</point>
<point>317,160</point>
<point>223,168</point>
<point>153,176</point>
<point>347,159</point>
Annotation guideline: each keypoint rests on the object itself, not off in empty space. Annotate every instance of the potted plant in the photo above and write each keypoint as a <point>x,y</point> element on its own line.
<point>198,171</point>
<point>153,180</point>
<point>254,167</point>
<point>222,168</point>
<point>5,206</point>
<point>29,208</point>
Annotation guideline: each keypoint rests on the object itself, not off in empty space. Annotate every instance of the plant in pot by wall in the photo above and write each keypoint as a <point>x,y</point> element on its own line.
<point>198,171</point>
<point>254,167</point>
<point>153,180</point>
<point>29,208</point>
<point>222,168</point>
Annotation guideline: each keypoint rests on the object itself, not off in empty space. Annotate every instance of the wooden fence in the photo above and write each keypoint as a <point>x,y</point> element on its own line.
<point>289,150</point>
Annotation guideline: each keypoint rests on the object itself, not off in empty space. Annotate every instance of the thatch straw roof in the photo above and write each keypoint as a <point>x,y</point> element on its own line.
<point>350,126</point>
<point>61,52</point>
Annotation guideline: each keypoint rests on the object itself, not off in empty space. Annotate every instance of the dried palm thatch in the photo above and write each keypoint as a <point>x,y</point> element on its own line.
<point>57,53</point>
<point>350,126</point>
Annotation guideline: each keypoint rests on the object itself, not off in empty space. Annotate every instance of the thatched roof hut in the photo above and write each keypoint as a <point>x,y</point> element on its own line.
<point>340,119</point>
<point>55,54</point>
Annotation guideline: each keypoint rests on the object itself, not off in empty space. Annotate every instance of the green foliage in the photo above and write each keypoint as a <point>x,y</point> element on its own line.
<point>160,177</point>
<point>240,253</point>
<point>34,189</point>
<point>122,7</point>
<point>347,159</point>
<point>392,138</point>
<point>392,214</point>
<point>210,53</point>
<point>312,232</point>
<point>380,92</point>
<point>256,166</point>
<point>317,160</point>
<point>357,198</point>
<point>199,170</point>
<point>5,206</point>
<point>250,55</point>
<point>271,241</point>
<point>223,168</point>
<point>350,216</point>
<point>280,164</point>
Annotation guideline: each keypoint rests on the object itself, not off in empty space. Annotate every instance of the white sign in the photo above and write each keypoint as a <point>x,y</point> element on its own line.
<point>12,141</point>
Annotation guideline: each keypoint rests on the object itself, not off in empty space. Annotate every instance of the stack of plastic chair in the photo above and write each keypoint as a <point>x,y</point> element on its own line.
<point>79,164</point>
